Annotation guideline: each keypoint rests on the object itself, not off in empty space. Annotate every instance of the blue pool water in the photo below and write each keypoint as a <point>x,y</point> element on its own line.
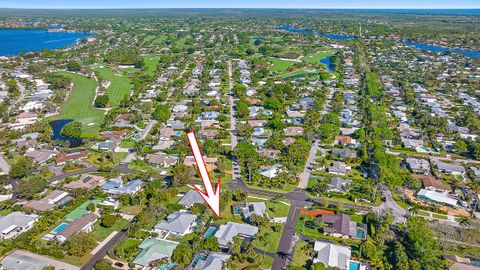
<point>59,228</point>
<point>15,41</point>
<point>360,233</point>
<point>210,232</point>
<point>198,259</point>
<point>166,266</point>
<point>353,265</point>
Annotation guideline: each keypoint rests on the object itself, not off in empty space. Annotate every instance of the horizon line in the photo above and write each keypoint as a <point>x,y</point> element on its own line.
<point>283,8</point>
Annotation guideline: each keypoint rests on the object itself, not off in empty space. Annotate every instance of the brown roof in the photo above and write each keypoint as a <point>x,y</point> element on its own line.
<point>430,181</point>
<point>87,181</point>
<point>72,156</point>
<point>339,223</point>
<point>343,139</point>
<point>116,134</point>
<point>78,225</point>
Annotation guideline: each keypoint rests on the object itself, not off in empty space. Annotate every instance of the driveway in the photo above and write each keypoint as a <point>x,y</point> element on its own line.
<point>391,206</point>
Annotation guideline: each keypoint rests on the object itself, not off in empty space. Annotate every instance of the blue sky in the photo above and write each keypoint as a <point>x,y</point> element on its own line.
<point>240,4</point>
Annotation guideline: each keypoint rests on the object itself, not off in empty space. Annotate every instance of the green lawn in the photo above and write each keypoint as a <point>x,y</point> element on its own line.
<point>299,257</point>
<point>181,42</point>
<point>280,64</point>
<point>305,230</point>
<point>119,88</point>
<point>439,216</point>
<point>270,243</point>
<point>151,63</point>
<point>78,105</point>
<point>315,58</point>
<point>100,233</point>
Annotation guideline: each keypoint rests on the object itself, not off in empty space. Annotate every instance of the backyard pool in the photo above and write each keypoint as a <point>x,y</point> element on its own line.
<point>166,266</point>
<point>353,265</point>
<point>59,228</point>
<point>360,233</point>
<point>197,259</point>
<point>210,232</point>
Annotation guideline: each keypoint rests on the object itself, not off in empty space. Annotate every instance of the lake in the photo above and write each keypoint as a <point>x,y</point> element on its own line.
<point>327,61</point>
<point>14,41</point>
<point>440,49</point>
<point>57,126</point>
<point>292,29</point>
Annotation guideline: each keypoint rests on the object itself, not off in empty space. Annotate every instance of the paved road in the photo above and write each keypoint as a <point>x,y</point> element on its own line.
<point>147,129</point>
<point>4,165</point>
<point>390,205</point>
<point>74,173</point>
<point>305,175</point>
<point>285,248</point>
<point>236,176</point>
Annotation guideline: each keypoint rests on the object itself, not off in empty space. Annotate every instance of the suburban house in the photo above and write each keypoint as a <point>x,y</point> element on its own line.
<point>437,197</point>
<point>114,135</point>
<point>177,224</point>
<point>339,168</point>
<point>162,160</point>
<point>432,183</point>
<point>332,255</point>
<point>344,153</point>
<point>249,209</point>
<point>209,162</point>
<point>153,250</point>
<point>271,171</point>
<point>338,184</point>
<point>41,156</point>
<point>448,168</point>
<point>107,145</point>
<point>84,224</point>
<point>71,157</point>
<point>87,181</point>
<point>418,165</point>
<point>227,232</point>
<point>21,260</point>
<point>345,141</point>
<point>209,261</point>
<point>269,153</point>
<point>190,198</point>
<point>339,225</point>
<point>293,131</point>
<point>54,199</point>
<point>116,186</point>
<point>16,223</point>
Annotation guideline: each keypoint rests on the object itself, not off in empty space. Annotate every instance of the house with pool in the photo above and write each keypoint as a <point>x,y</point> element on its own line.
<point>177,224</point>
<point>334,255</point>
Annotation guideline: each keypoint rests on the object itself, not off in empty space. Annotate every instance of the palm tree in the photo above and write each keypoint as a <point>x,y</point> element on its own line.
<point>413,210</point>
<point>464,221</point>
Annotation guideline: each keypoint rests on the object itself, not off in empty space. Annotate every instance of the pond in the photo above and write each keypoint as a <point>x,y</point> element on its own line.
<point>292,29</point>
<point>440,49</point>
<point>327,61</point>
<point>57,126</point>
<point>15,41</point>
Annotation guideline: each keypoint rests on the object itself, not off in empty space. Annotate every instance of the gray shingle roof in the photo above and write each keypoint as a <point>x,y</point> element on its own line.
<point>190,198</point>
<point>227,232</point>
<point>178,222</point>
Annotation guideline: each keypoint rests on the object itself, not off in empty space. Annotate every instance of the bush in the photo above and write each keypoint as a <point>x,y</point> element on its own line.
<point>108,220</point>
<point>101,101</point>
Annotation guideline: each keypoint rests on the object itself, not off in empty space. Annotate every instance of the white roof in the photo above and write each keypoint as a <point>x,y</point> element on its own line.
<point>437,197</point>
<point>331,254</point>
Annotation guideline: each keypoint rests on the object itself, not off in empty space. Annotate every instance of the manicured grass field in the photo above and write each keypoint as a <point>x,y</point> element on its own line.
<point>280,64</point>
<point>78,105</point>
<point>315,58</point>
<point>119,88</point>
<point>151,63</point>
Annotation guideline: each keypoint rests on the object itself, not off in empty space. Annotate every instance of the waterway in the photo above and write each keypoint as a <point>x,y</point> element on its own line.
<point>15,41</point>
<point>57,126</point>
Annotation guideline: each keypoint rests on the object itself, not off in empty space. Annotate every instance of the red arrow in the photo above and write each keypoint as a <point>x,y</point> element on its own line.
<point>212,198</point>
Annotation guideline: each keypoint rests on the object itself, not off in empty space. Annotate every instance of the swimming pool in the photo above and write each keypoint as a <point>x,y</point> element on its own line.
<point>197,259</point>
<point>210,232</point>
<point>360,233</point>
<point>353,265</point>
<point>59,228</point>
<point>166,266</point>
